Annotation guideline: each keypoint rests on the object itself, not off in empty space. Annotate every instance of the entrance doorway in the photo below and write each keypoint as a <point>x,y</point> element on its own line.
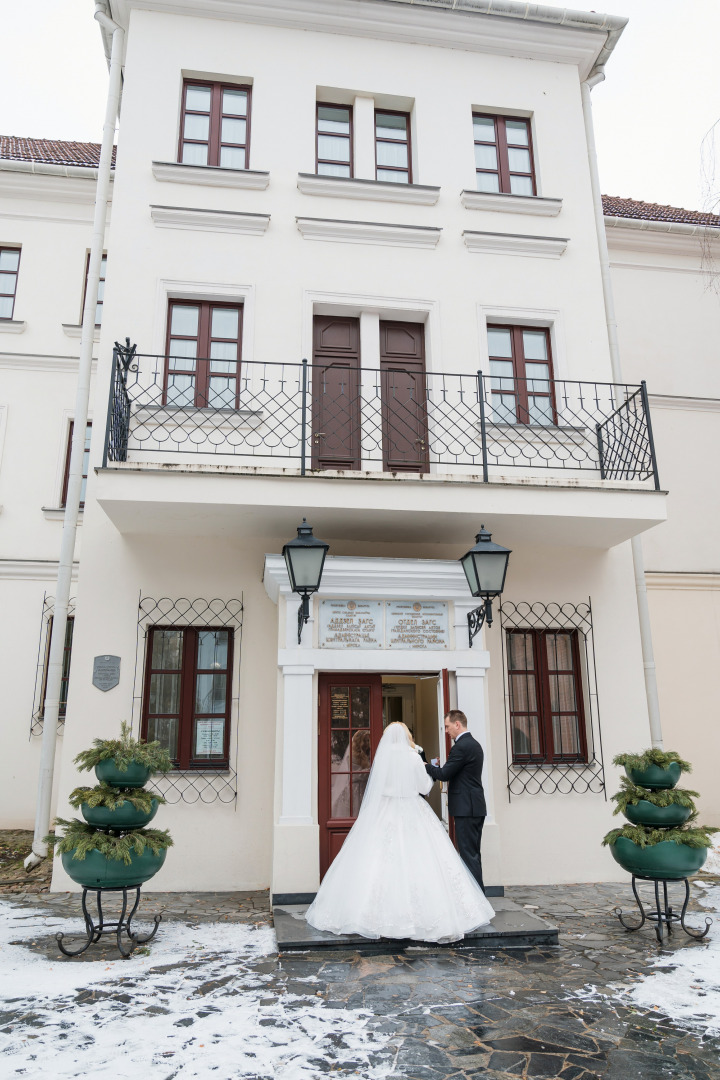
<point>354,710</point>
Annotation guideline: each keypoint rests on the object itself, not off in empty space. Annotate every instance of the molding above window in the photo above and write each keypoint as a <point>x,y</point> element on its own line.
<point>57,513</point>
<point>30,362</point>
<point>696,581</point>
<point>368,232</point>
<point>210,175</point>
<point>346,187</point>
<point>74,330</point>
<point>12,326</point>
<point>511,204</point>
<point>32,569</point>
<point>189,217</point>
<point>495,243</point>
<point>685,404</point>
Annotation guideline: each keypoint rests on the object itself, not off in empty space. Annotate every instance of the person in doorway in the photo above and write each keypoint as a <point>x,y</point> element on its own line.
<point>466,797</point>
<point>398,875</point>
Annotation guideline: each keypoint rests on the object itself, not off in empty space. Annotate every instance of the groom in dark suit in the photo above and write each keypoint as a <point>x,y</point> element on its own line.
<point>466,798</point>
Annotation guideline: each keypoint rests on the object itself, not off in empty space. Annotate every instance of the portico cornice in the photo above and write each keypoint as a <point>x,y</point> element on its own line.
<point>585,39</point>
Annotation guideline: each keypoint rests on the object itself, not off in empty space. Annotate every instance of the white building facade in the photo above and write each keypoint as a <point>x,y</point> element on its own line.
<point>372,297</point>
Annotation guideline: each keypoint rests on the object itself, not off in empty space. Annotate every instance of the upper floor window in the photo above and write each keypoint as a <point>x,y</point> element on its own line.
<point>215,125</point>
<point>203,354</point>
<point>392,147</point>
<point>546,699</point>
<point>521,375</point>
<point>9,263</point>
<point>503,155</point>
<point>101,289</point>
<point>86,462</point>
<point>334,140</point>
<point>186,702</point>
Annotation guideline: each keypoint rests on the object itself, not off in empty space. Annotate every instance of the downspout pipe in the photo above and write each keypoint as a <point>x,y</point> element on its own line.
<point>651,690</point>
<point>72,504</point>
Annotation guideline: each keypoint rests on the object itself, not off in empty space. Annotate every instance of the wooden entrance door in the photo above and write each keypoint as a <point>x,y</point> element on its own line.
<point>404,410</point>
<point>350,727</point>
<point>336,393</point>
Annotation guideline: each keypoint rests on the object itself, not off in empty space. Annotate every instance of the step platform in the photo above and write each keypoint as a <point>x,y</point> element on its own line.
<point>512,927</point>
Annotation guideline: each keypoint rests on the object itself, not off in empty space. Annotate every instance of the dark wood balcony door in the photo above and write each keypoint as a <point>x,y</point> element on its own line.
<point>336,393</point>
<point>404,412</point>
<point>349,730</point>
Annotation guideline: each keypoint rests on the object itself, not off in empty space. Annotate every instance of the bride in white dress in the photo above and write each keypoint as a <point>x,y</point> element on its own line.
<point>398,875</point>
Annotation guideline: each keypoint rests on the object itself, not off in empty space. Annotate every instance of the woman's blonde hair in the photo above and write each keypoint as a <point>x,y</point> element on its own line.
<point>399,723</point>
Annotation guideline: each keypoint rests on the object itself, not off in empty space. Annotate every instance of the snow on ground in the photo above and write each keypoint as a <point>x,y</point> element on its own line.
<point>195,1008</point>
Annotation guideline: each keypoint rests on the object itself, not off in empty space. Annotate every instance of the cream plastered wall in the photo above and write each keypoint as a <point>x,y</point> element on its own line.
<point>50,218</point>
<point>669,325</point>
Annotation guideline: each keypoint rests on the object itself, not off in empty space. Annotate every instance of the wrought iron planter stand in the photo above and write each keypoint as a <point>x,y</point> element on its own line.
<point>663,916</point>
<point>96,930</point>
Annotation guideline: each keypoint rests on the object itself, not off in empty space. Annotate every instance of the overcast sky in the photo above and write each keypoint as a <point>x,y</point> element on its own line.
<point>660,98</point>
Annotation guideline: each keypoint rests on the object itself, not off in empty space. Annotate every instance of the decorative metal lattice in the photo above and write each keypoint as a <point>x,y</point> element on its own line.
<point>567,777</point>
<point>314,416</point>
<point>38,710</point>
<point>191,785</point>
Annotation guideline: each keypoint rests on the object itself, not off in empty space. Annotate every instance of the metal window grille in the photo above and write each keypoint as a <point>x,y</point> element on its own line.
<point>192,785</point>
<point>38,709</point>
<point>556,778</point>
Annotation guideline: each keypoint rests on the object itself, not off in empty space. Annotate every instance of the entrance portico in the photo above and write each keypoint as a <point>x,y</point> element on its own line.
<point>296,832</point>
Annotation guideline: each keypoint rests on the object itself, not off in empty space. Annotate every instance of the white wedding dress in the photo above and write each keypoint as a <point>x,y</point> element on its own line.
<point>398,875</point>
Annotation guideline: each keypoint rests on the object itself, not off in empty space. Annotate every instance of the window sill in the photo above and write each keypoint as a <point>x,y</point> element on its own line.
<point>57,513</point>
<point>347,187</point>
<point>368,232</point>
<point>190,217</point>
<point>534,247</point>
<point>210,175</point>
<point>550,764</point>
<point>74,330</point>
<point>511,204</point>
<point>12,326</point>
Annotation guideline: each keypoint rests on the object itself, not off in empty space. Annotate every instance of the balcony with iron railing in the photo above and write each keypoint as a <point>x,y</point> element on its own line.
<point>315,418</point>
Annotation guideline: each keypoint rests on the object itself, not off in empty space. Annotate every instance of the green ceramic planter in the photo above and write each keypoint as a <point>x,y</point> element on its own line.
<point>122,817</point>
<point>96,871</point>
<point>646,813</point>
<point>655,777</point>
<point>134,775</point>
<point>664,860</point>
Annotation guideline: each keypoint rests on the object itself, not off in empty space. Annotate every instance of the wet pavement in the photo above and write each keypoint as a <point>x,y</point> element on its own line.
<point>428,1013</point>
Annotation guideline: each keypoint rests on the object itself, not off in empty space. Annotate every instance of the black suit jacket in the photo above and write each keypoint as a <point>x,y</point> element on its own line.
<point>463,772</point>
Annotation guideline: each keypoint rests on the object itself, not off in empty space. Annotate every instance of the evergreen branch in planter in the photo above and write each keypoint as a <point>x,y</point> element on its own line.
<point>84,838</point>
<point>125,751</point>
<point>112,797</point>
<point>653,756</point>
<point>697,836</point>
<point>630,794</point>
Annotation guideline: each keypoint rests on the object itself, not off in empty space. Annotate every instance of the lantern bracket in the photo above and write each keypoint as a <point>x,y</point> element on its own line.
<point>478,617</point>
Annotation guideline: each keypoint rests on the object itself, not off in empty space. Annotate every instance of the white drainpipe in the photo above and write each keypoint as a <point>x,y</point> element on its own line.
<point>72,504</point>
<point>651,690</point>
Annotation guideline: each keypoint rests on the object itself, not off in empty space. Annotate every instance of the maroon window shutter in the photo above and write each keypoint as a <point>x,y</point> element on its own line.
<point>336,393</point>
<point>402,373</point>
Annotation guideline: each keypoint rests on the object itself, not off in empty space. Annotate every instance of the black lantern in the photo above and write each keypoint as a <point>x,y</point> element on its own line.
<point>485,567</point>
<point>305,558</point>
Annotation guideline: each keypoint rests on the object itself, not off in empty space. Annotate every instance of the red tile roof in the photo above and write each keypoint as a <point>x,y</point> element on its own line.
<point>614,206</point>
<point>50,151</point>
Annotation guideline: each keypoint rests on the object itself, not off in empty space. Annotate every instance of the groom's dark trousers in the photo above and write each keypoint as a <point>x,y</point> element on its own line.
<point>466,798</point>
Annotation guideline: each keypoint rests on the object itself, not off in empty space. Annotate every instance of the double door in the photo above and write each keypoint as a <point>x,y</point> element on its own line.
<point>376,415</point>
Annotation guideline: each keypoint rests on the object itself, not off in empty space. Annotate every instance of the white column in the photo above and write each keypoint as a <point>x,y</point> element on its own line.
<point>470,683</point>
<point>297,745</point>
<point>371,411</point>
<point>364,137</point>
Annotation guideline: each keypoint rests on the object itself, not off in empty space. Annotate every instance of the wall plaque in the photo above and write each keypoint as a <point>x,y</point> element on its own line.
<point>351,624</point>
<point>415,624</point>
<point>106,672</point>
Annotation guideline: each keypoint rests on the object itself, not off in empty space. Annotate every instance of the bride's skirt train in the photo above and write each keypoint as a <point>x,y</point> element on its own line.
<point>398,876</point>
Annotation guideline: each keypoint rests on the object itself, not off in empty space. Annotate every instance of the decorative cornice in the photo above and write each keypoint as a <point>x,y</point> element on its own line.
<point>190,217</point>
<point>345,187</point>
<point>12,326</point>
<point>538,205</point>
<point>684,581</point>
<point>210,175</point>
<point>659,237</point>
<point>419,579</point>
<point>74,330</point>
<point>31,569</point>
<point>685,404</point>
<point>52,183</point>
<point>494,243</point>
<point>29,362</point>
<point>368,232</point>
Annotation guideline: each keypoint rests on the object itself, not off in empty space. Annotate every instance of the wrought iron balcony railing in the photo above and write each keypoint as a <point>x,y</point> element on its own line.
<point>396,419</point>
